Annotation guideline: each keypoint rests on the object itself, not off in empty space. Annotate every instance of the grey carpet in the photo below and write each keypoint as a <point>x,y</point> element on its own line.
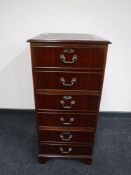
<point>18,148</point>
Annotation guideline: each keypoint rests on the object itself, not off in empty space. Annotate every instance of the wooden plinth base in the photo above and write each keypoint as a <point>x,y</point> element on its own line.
<point>44,158</point>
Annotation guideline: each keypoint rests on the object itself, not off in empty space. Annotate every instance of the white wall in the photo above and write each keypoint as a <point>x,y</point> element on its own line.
<point>22,19</point>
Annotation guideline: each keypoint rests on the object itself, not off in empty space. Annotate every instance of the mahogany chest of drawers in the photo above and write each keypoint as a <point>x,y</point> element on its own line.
<point>68,72</point>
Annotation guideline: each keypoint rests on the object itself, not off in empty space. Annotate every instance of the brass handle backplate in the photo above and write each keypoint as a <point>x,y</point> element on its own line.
<point>69,51</point>
<point>63,103</point>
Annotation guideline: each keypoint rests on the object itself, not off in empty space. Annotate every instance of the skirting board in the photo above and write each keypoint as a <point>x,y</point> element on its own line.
<point>32,111</point>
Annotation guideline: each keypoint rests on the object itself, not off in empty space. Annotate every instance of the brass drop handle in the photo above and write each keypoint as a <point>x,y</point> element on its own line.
<point>73,81</point>
<point>67,123</point>
<point>63,59</point>
<point>65,152</point>
<point>68,136</point>
<point>62,102</point>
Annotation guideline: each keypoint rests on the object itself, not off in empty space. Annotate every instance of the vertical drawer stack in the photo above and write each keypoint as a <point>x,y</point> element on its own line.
<point>68,73</point>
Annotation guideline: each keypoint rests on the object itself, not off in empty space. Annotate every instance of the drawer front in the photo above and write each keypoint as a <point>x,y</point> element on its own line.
<point>90,57</point>
<point>73,102</point>
<point>66,136</point>
<point>67,80</point>
<point>67,120</point>
<point>65,149</point>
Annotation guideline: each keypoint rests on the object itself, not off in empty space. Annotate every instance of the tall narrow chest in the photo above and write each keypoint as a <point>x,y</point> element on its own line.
<point>68,72</point>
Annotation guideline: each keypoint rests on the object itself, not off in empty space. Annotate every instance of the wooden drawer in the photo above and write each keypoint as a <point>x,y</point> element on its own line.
<point>66,136</point>
<point>65,149</point>
<point>88,57</point>
<point>66,119</point>
<point>67,80</point>
<point>73,102</point>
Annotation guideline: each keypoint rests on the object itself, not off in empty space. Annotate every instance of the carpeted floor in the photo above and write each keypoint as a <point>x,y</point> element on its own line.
<point>18,147</point>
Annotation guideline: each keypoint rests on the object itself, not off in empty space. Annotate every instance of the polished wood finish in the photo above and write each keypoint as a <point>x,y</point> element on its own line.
<point>66,136</point>
<point>68,72</point>
<point>65,149</point>
<point>88,57</point>
<point>62,119</point>
<point>67,80</point>
<point>66,92</point>
<point>74,38</point>
<point>83,129</point>
<point>82,102</point>
<point>42,158</point>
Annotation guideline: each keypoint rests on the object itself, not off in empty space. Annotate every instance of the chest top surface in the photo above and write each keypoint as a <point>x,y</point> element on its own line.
<point>68,37</point>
